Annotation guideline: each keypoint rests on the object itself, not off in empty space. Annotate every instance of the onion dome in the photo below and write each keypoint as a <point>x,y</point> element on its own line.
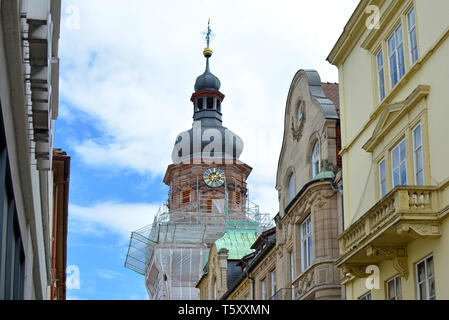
<point>207,81</point>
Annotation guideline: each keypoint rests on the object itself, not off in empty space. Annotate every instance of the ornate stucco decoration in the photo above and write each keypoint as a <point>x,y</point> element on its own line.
<point>305,282</point>
<point>298,120</point>
<point>398,255</point>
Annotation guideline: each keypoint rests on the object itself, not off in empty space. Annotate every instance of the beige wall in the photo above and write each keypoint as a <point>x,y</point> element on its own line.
<point>362,115</point>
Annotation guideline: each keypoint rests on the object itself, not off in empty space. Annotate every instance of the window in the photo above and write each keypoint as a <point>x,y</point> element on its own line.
<point>218,105</point>
<point>382,179</point>
<point>273,282</point>
<point>425,279</point>
<point>399,165</point>
<point>200,104</point>
<point>366,296</point>
<point>12,254</point>
<point>396,56</point>
<point>380,75</point>
<point>291,187</point>
<point>185,197</point>
<point>263,289</point>
<point>394,289</point>
<point>300,112</point>
<point>215,289</point>
<point>306,243</point>
<point>418,156</point>
<point>210,103</point>
<point>411,28</point>
<point>316,159</point>
<point>292,275</point>
<point>237,197</point>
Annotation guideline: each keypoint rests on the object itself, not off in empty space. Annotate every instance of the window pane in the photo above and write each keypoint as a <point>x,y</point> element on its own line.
<point>432,289</point>
<point>401,61</point>
<point>423,291</point>
<point>403,174</point>
<point>420,179</point>
<point>417,136</point>
<point>309,262</point>
<point>390,289</point>
<point>394,68</point>
<point>396,159</point>
<point>291,187</point>
<point>430,267</point>
<point>396,180</point>
<point>421,272</point>
<point>398,289</point>
<point>411,18</point>
<point>398,34</point>
<point>402,151</point>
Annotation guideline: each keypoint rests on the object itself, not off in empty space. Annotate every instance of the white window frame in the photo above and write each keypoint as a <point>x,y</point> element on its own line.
<point>306,243</point>
<point>416,149</point>
<point>411,31</point>
<point>316,155</point>
<point>398,47</point>
<point>402,161</point>
<point>426,280</point>
<point>395,281</point>
<point>380,75</point>
<point>382,179</point>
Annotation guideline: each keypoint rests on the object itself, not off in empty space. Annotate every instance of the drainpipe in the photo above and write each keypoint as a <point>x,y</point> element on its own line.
<point>253,283</point>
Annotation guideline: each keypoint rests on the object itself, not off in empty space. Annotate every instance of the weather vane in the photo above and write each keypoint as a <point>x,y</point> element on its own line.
<point>208,35</point>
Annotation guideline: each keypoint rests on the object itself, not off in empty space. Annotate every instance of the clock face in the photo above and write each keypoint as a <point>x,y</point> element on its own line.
<point>214,177</point>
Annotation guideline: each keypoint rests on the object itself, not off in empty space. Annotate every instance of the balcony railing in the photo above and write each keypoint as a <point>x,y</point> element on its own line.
<point>403,211</point>
<point>283,294</point>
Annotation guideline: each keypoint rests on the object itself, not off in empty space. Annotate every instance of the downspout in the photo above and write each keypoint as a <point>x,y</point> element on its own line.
<point>253,283</point>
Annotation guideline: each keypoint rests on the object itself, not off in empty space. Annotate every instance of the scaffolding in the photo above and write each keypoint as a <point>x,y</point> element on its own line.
<point>171,252</point>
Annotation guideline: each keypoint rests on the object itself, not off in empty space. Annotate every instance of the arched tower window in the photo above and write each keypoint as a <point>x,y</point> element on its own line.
<point>210,103</point>
<point>291,187</point>
<point>218,105</point>
<point>200,104</point>
<point>316,159</point>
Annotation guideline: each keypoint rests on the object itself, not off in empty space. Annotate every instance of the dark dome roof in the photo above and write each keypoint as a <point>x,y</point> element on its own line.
<point>207,81</point>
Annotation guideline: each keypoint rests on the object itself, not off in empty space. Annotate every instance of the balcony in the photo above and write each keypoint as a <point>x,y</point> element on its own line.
<point>383,232</point>
<point>283,294</point>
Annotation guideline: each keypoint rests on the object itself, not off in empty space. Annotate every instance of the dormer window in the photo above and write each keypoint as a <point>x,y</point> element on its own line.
<point>316,159</point>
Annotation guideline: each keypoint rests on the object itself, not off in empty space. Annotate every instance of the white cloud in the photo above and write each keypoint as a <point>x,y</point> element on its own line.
<point>120,218</point>
<point>132,68</point>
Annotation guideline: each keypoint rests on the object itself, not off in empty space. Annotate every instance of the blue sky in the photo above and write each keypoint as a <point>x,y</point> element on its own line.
<point>126,77</point>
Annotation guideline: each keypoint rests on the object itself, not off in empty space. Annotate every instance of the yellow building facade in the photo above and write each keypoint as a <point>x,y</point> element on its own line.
<point>393,67</point>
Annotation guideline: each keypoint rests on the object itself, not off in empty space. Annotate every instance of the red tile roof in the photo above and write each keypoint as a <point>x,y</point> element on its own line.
<point>332,93</point>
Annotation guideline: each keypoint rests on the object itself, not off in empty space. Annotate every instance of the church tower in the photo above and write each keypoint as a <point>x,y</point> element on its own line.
<point>207,198</point>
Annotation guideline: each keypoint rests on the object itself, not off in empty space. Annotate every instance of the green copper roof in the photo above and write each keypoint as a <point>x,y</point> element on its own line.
<point>324,175</point>
<point>237,242</point>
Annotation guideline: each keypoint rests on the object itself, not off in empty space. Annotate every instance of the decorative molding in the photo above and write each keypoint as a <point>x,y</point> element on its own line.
<point>397,254</point>
<point>394,112</point>
<point>420,230</point>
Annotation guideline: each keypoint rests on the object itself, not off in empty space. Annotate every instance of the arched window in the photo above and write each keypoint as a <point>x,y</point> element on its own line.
<point>291,187</point>
<point>316,159</point>
<point>210,103</point>
<point>218,105</point>
<point>200,104</point>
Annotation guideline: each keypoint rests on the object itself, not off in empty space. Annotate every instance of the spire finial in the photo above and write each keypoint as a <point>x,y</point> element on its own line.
<point>208,35</point>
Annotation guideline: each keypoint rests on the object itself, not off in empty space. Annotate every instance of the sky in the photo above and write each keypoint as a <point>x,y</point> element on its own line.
<point>127,71</point>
